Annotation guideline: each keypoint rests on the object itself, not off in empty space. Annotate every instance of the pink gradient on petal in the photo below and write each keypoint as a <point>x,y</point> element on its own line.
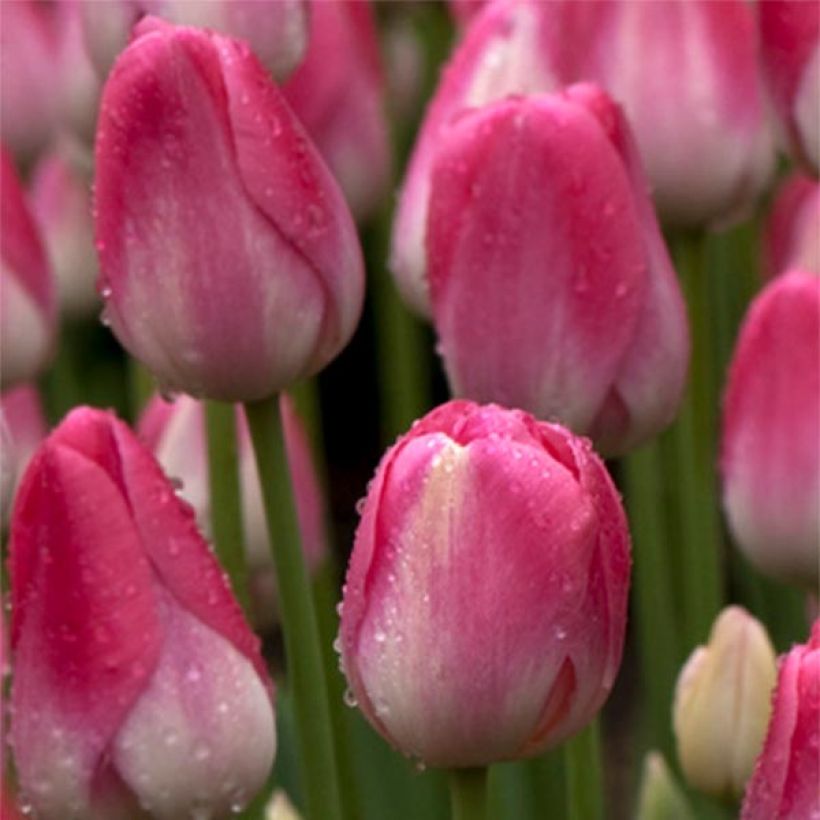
<point>792,235</point>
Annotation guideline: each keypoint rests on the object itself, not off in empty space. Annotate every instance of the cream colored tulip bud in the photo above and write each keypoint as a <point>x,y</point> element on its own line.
<point>280,808</point>
<point>661,798</point>
<point>722,704</point>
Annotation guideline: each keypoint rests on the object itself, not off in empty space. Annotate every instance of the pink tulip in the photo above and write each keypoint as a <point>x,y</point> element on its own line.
<point>175,432</point>
<point>786,781</point>
<point>24,425</point>
<point>771,430</point>
<point>136,678</point>
<point>27,293</point>
<point>61,202</point>
<point>686,73</point>
<point>552,289</point>
<point>790,32</point>
<point>505,51</point>
<point>485,602</point>
<point>276,30</point>
<point>463,11</point>
<point>338,93</point>
<point>792,238</point>
<point>230,262</point>
<point>29,96</point>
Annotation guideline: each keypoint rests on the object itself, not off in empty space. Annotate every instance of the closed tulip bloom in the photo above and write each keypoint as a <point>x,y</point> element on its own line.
<point>792,237</point>
<point>687,74</point>
<point>28,316</point>
<point>771,427</point>
<point>230,262</point>
<point>61,202</point>
<point>276,30</point>
<point>338,93</point>
<point>790,33</point>
<point>722,704</point>
<point>485,601</point>
<point>137,681</point>
<point>551,286</point>
<point>784,785</point>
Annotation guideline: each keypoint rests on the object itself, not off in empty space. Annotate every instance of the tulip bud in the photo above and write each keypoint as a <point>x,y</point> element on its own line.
<point>27,297</point>
<point>61,203</point>
<point>485,601</point>
<point>792,239</point>
<point>661,798</point>
<point>230,263</point>
<point>532,314</point>
<point>276,30</point>
<point>771,427</point>
<point>136,679</point>
<point>687,75</point>
<point>790,34</point>
<point>175,432</point>
<point>722,704</point>
<point>338,94</point>
<point>280,808</point>
<point>785,779</point>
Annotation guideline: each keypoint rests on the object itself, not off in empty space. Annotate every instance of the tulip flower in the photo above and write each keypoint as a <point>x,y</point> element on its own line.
<point>771,426</point>
<point>27,292</point>
<point>785,781</point>
<point>792,238</point>
<point>485,601</point>
<point>175,432</point>
<point>722,704</point>
<point>230,262</point>
<point>687,74</point>
<point>338,93</point>
<point>61,204</point>
<point>276,30</point>
<point>660,796</point>
<point>137,681</point>
<point>790,34</point>
<point>531,312</point>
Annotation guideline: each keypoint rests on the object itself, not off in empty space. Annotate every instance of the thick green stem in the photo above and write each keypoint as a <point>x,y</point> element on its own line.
<point>582,756</point>
<point>468,794</point>
<point>695,437</point>
<point>299,624</point>
<point>225,494</point>
<point>658,644</point>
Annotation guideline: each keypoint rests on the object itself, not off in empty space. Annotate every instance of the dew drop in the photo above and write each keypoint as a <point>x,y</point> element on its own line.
<point>201,752</point>
<point>350,699</point>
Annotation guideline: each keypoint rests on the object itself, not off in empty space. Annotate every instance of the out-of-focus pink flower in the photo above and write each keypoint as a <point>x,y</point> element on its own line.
<point>792,238</point>
<point>463,11</point>
<point>687,74</point>
<point>790,33</point>
<point>24,427</point>
<point>338,93</point>
<point>485,601</point>
<point>60,199</point>
<point>28,304</point>
<point>175,432</point>
<point>276,30</point>
<point>29,93</point>
<point>551,287</point>
<point>136,678</point>
<point>771,430</point>
<point>784,785</point>
<point>230,262</point>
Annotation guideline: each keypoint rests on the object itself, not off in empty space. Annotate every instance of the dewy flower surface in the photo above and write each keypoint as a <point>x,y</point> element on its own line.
<point>136,679</point>
<point>485,602</point>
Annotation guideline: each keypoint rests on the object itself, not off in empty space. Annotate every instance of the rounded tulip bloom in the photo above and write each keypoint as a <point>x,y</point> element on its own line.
<point>485,601</point>
<point>722,704</point>
<point>790,33</point>
<point>551,286</point>
<point>771,430</point>
<point>792,238</point>
<point>137,681</point>
<point>28,304</point>
<point>230,262</point>
<point>784,785</point>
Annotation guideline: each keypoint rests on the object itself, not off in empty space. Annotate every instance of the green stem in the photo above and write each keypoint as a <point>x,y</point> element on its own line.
<point>643,475</point>
<point>582,756</point>
<point>695,436</point>
<point>468,794</point>
<point>141,386</point>
<point>299,623</point>
<point>225,494</point>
